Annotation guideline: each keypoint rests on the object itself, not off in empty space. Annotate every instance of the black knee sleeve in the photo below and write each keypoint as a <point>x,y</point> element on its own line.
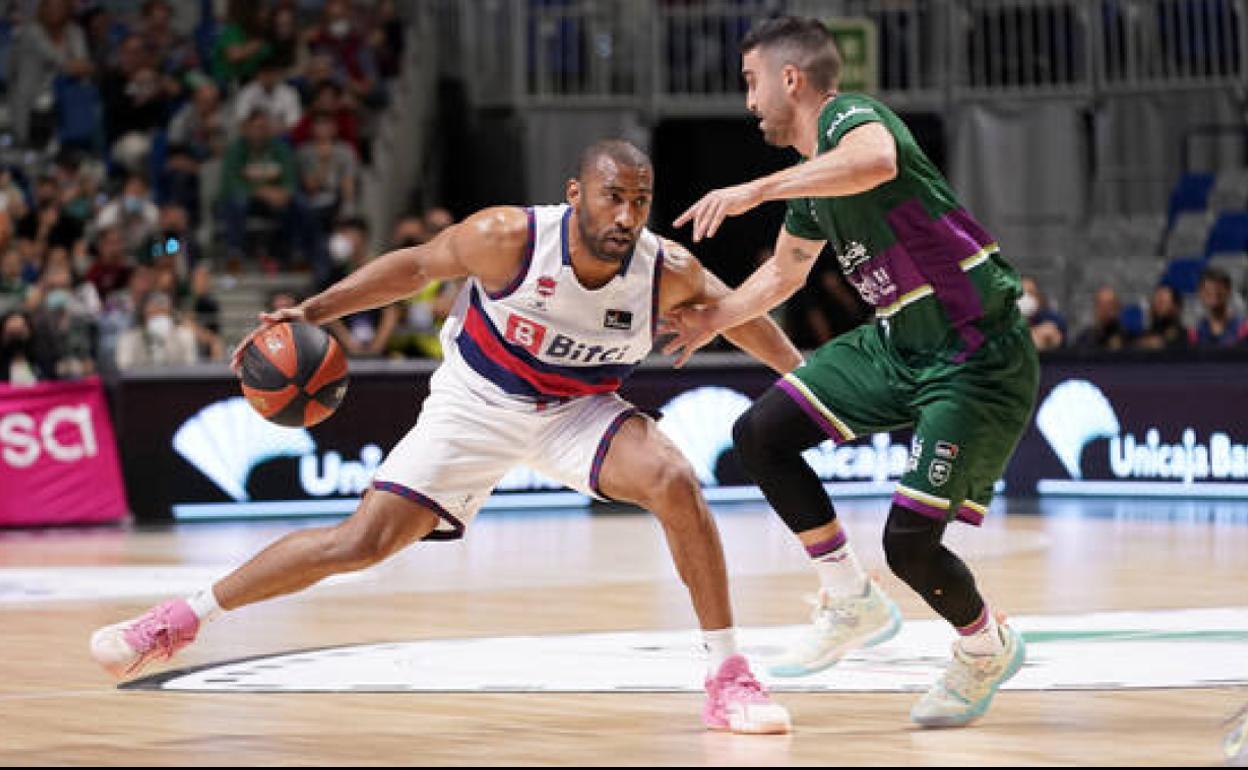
<point>915,554</point>
<point>770,438</point>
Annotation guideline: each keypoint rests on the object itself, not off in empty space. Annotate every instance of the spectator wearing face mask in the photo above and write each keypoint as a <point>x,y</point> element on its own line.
<point>133,212</point>
<point>328,181</point>
<point>160,340</point>
<point>347,46</point>
<point>19,363</point>
<point>1048,327</point>
<point>366,333</point>
<point>64,322</point>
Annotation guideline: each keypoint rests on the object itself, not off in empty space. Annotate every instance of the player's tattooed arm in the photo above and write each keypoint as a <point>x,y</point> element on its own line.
<point>801,253</point>
<point>687,287</point>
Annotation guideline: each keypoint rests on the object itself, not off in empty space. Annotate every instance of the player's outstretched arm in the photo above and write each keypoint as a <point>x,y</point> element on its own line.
<point>865,158</point>
<point>695,325</point>
<point>489,244</point>
<point>478,246</point>
<point>688,285</point>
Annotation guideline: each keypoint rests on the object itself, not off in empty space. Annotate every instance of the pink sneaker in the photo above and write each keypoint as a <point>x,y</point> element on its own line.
<point>736,702</point>
<point>126,648</point>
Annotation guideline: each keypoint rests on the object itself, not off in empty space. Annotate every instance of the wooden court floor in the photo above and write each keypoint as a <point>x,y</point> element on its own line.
<point>538,574</point>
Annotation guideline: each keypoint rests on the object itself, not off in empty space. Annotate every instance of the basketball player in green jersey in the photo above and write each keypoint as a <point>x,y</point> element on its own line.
<point>948,355</point>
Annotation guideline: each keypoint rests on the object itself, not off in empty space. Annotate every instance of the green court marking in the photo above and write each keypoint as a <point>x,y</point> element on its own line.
<point>1212,635</point>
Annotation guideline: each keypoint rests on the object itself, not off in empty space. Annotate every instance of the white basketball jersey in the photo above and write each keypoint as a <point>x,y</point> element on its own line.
<point>547,337</point>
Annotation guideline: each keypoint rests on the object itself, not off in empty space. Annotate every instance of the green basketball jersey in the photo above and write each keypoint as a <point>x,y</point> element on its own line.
<point>933,274</point>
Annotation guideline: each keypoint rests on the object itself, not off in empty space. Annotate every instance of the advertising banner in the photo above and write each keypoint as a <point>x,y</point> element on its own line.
<point>58,459</point>
<point>194,449</point>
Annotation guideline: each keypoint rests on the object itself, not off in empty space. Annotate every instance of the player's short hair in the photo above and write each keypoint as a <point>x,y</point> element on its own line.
<point>805,43</point>
<point>622,152</point>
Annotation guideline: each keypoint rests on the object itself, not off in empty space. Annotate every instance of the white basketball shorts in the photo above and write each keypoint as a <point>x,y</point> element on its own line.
<point>466,440</point>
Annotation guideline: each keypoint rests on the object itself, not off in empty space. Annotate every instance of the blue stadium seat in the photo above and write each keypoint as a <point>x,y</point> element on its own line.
<point>1191,193</point>
<point>1229,233</point>
<point>1132,319</point>
<point>1183,274</point>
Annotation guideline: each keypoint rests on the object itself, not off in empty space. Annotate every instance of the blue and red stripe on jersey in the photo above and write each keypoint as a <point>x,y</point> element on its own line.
<point>518,372</point>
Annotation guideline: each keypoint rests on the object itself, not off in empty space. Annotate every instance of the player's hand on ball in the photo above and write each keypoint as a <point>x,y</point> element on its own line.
<point>691,327</point>
<point>267,319</point>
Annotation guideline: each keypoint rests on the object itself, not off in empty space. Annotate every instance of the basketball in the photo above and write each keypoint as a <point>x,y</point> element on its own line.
<point>294,374</point>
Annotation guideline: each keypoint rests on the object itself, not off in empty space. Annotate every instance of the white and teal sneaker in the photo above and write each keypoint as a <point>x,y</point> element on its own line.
<point>1236,744</point>
<point>966,689</point>
<point>838,627</point>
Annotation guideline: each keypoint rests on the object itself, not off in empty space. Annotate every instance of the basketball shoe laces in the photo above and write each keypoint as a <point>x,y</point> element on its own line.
<point>828,615</point>
<point>744,688</point>
<point>965,677</point>
<point>156,634</point>
<point>827,618</point>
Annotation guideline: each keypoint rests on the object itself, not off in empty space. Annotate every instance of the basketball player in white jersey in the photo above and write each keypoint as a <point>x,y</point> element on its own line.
<point>561,303</point>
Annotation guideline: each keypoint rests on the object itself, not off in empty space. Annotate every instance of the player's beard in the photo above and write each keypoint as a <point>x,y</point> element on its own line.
<point>598,245</point>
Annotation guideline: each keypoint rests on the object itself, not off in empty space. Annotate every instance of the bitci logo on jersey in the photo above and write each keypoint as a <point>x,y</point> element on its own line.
<point>525,333</point>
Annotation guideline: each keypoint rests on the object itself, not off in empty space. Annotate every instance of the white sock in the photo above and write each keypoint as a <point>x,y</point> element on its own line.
<point>720,646</point>
<point>204,605</point>
<point>984,641</point>
<point>840,574</point>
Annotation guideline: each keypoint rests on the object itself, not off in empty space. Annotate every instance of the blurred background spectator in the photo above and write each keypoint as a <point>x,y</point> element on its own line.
<point>133,213</point>
<point>328,184</point>
<point>1048,327</point>
<point>1165,321</point>
<point>1106,331</point>
<point>19,364</point>
<point>367,333</point>
<point>48,47</point>
<point>158,339</point>
<point>257,187</point>
<point>242,43</point>
<point>419,318</point>
<point>1219,327</point>
<point>271,94</point>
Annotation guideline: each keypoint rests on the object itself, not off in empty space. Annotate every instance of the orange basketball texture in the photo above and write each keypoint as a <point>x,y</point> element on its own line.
<point>294,374</point>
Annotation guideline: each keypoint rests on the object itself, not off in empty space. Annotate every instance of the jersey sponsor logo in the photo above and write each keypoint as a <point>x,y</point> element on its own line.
<point>852,257</point>
<point>546,286</point>
<point>618,319</point>
<point>530,335</point>
<point>946,450</point>
<point>916,451</point>
<point>841,117</point>
<point>525,333</point>
<point>565,347</point>
<point>876,286</point>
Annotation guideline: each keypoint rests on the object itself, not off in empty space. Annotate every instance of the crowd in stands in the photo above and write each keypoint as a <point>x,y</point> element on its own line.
<point>1114,327</point>
<point>152,151</point>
